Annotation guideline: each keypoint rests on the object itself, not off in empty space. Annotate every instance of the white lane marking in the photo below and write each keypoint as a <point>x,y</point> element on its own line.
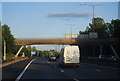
<point>18,78</point>
<point>61,70</point>
<point>48,62</point>
<point>75,79</point>
<point>97,70</point>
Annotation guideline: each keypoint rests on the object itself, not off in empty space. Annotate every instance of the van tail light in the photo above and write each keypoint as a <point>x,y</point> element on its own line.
<point>79,58</point>
<point>63,58</point>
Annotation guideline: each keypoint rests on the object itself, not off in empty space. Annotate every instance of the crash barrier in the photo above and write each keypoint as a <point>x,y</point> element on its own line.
<point>11,61</point>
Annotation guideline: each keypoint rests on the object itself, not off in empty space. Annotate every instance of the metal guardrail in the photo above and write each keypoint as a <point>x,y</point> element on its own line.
<point>102,62</point>
<point>11,61</point>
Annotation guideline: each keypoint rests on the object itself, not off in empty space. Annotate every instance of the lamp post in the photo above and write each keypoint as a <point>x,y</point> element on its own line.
<point>70,28</point>
<point>93,11</point>
<point>72,25</point>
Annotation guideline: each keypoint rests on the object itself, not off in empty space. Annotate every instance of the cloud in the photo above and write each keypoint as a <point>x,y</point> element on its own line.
<point>70,15</point>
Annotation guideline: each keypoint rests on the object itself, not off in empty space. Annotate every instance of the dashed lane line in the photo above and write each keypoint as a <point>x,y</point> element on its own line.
<point>75,79</point>
<point>61,70</point>
<point>18,78</point>
<point>48,62</point>
<point>97,70</point>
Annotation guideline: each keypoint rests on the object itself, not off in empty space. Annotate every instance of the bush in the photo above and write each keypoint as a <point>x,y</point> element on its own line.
<point>9,56</point>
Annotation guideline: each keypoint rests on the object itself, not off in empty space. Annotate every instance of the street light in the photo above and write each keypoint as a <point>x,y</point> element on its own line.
<point>93,9</point>
<point>70,28</point>
<point>94,6</point>
<point>72,25</point>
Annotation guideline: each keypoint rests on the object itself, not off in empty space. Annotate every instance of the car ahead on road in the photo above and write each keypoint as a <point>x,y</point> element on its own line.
<point>101,57</point>
<point>115,58</point>
<point>52,58</point>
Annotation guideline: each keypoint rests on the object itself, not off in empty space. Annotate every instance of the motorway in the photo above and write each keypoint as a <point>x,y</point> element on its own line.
<point>41,69</point>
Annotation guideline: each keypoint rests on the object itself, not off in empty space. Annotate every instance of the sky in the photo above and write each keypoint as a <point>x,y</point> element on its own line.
<point>60,0</point>
<point>0,11</point>
<point>39,20</point>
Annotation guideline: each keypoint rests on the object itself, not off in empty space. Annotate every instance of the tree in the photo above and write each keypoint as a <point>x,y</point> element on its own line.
<point>98,25</point>
<point>26,51</point>
<point>0,42</point>
<point>86,31</point>
<point>9,38</point>
<point>0,32</point>
<point>29,48</point>
<point>34,49</point>
<point>116,25</point>
<point>109,29</point>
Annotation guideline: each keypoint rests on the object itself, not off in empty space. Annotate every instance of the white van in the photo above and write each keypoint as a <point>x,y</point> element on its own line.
<point>70,55</point>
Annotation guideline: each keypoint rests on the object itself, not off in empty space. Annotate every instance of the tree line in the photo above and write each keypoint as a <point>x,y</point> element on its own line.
<point>104,30</point>
<point>11,48</point>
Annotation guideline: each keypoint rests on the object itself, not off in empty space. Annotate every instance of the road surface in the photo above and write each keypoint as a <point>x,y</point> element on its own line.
<point>42,69</point>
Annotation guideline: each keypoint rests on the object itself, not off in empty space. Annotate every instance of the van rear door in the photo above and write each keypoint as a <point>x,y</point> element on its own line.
<point>72,54</point>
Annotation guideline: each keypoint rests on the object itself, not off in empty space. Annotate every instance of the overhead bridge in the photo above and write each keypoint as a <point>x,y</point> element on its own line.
<point>23,42</point>
<point>66,41</point>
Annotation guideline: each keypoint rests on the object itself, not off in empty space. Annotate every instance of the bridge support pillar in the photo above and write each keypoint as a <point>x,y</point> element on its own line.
<point>23,55</point>
<point>19,51</point>
<point>113,50</point>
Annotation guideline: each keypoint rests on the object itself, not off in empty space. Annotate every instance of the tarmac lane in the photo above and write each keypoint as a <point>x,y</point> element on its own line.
<point>12,71</point>
<point>41,68</point>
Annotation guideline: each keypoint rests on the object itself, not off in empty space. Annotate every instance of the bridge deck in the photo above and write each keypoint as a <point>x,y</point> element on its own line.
<point>67,41</point>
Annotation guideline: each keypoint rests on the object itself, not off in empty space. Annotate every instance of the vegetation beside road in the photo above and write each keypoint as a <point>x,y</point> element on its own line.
<point>0,43</point>
<point>104,30</point>
<point>11,48</point>
<point>103,62</point>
